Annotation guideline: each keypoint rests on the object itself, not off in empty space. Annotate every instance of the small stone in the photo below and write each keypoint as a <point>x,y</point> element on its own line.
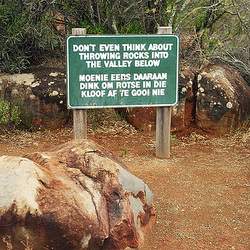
<point>201,89</point>
<point>54,74</point>
<point>229,105</point>
<point>54,93</point>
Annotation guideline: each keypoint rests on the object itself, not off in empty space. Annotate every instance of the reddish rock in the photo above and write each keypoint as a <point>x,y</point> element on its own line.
<point>145,118</point>
<point>75,196</point>
<point>142,118</point>
<point>223,99</point>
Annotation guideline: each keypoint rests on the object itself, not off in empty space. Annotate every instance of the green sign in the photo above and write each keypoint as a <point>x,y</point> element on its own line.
<point>122,71</point>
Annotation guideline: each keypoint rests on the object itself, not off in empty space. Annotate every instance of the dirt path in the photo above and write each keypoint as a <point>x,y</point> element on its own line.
<point>201,193</point>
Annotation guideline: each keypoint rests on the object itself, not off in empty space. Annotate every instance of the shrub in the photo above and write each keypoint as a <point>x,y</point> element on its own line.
<point>14,117</point>
<point>24,36</point>
<point>4,113</point>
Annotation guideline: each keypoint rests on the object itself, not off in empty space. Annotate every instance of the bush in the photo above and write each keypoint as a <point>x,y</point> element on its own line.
<point>4,113</point>
<point>29,32</point>
<point>14,117</point>
<point>24,36</point>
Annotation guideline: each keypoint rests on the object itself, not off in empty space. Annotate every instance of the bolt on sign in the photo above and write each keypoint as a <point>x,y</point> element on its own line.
<point>122,71</point>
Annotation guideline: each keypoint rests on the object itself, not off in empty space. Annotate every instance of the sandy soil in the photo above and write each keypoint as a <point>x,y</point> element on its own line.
<point>201,193</point>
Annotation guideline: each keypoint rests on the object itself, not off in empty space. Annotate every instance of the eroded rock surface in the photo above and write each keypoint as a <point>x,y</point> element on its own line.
<point>74,196</point>
<point>222,99</point>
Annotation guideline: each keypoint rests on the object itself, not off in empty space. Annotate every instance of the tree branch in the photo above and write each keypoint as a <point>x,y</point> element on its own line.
<point>239,16</point>
<point>198,8</point>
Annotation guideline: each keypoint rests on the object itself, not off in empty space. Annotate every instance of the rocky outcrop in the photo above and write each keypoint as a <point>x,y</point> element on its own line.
<point>74,196</point>
<point>222,99</point>
<point>42,94</point>
<point>217,99</point>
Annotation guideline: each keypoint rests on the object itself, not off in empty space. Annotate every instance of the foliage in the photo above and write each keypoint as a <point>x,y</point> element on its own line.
<point>30,28</point>
<point>220,31</point>
<point>24,35</point>
<point>14,116</point>
<point>4,112</point>
<point>125,152</point>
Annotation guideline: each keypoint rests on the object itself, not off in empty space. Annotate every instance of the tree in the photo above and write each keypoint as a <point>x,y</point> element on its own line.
<point>24,35</point>
<point>219,28</point>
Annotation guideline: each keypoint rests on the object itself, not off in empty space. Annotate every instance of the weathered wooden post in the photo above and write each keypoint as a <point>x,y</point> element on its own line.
<point>79,115</point>
<point>163,119</point>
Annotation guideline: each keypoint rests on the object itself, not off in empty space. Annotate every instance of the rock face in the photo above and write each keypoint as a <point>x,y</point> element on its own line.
<point>183,113</point>
<point>75,196</point>
<point>142,118</point>
<point>41,93</point>
<point>222,99</point>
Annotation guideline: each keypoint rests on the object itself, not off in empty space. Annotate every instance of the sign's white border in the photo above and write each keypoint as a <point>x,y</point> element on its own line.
<point>122,106</point>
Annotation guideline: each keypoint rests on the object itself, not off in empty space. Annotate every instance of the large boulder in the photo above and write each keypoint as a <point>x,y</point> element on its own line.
<point>42,94</point>
<point>222,99</point>
<point>74,196</point>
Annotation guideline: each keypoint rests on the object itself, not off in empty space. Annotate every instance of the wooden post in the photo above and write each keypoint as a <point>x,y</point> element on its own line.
<point>163,120</point>
<point>79,115</point>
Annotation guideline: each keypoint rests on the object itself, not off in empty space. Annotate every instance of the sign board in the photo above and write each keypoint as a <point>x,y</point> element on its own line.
<point>122,71</point>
